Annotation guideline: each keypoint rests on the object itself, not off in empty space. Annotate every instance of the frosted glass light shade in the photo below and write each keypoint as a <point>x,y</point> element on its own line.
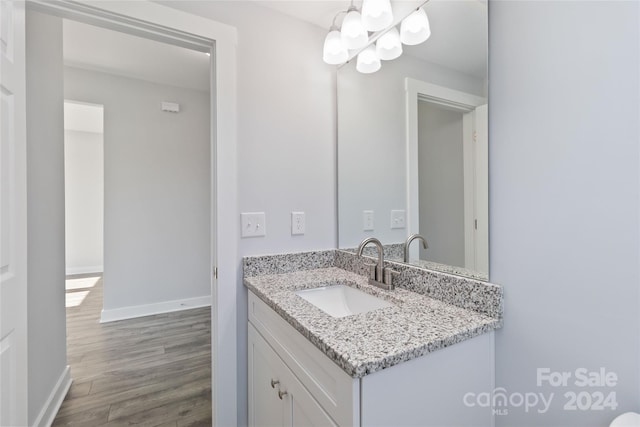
<point>376,14</point>
<point>389,46</point>
<point>334,52</point>
<point>415,28</point>
<point>368,61</point>
<point>353,34</point>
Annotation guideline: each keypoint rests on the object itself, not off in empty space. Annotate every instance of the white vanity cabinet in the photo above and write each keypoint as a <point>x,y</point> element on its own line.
<point>276,397</point>
<point>426,391</point>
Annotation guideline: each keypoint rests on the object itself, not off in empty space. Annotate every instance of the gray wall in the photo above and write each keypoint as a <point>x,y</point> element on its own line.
<point>45,209</point>
<point>286,137</point>
<point>564,207</point>
<point>156,188</point>
<point>84,195</point>
<point>441,181</point>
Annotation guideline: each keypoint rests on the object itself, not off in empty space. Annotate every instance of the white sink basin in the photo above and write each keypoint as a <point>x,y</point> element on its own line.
<point>341,300</point>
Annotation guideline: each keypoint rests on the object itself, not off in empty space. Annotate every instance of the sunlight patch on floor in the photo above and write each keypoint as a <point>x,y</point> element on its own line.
<point>78,289</point>
<point>74,299</point>
<point>81,283</point>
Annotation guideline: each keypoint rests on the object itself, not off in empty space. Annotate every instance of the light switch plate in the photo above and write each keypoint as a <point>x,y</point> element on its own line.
<point>253,224</point>
<point>367,220</point>
<point>297,223</point>
<point>398,219</point>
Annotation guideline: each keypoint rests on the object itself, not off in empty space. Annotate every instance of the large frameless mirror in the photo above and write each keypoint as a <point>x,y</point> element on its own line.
<point>412,146</point>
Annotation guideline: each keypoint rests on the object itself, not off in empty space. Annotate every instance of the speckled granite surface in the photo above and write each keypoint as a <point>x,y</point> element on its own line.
<point>450,269</point>
<point>286,263</point>
<point>395,252</point>
<point>417,323</point>
<point>392,251</point>
<point>483,297</point>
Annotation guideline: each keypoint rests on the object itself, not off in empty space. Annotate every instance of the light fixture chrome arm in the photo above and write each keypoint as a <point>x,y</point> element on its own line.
<point>408,242</point>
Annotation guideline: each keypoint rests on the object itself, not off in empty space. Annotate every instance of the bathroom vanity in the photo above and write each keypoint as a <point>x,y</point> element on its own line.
<point>418,360</point>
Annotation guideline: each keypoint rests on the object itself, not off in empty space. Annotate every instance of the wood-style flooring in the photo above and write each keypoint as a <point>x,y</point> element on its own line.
<point>149,371</point>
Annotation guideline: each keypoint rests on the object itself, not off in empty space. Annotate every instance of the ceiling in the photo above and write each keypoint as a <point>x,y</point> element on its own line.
<point>458,41</point>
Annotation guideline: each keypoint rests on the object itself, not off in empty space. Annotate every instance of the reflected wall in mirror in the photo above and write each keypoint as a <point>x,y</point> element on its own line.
<point>412,146</point>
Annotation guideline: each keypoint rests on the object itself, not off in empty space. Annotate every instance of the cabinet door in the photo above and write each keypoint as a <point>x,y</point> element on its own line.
<point>287,403</point>
<point>305,410</point>
<point>265,406</point>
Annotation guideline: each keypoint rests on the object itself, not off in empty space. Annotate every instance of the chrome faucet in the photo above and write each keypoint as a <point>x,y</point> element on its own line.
<point>408,242</point>
<point>378,275</point>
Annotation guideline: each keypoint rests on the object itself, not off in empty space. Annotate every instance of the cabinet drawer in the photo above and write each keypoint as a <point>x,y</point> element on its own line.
<point>337,392</point>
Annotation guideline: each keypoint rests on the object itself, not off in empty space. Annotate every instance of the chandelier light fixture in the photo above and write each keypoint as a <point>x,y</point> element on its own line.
<point>371,36</point>
<point>368,61</point>
<point>353,33</point>
<point>415,28</point>
<point>389,46</point>
<point>376,14</point>
<point>335,52</point>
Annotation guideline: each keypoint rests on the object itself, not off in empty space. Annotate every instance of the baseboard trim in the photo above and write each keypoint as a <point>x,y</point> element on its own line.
<point>84,270</point>
<point>52,405</point>
<point>133,311</point>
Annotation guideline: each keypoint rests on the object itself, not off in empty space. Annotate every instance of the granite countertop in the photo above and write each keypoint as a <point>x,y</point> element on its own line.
<point>364,343</point>
<point>451,269</point>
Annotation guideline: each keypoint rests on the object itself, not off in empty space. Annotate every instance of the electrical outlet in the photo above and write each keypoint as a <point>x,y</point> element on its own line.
<point>367,220</point>
<point>398,219</point>
<point>253,224</point>
<point>297,223</point>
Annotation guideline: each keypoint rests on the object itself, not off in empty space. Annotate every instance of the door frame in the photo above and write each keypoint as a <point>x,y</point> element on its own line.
<point>161,23</point>
<point>13,215</point>
<point>415,91</point>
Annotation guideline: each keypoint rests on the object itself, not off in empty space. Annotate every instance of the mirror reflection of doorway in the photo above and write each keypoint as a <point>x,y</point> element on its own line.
<point>451,196</point>
<point>441,177</point>
<point>447,178</point>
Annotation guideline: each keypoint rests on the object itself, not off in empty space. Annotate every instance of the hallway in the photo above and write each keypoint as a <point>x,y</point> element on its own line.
<point>149,371</point>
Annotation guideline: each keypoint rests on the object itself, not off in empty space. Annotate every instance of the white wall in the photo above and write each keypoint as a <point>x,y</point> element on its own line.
<point>372,149</point>
<point>84,195</point>
<point>564,199</point>
<point>156,189</point>
<point>286,136</point>
<point>45,210</point>
<point>441,183</point>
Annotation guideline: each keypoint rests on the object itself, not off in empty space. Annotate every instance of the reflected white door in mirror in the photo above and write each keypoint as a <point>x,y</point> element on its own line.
<point>447,185</point>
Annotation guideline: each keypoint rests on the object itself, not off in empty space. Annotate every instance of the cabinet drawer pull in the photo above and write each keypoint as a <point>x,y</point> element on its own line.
<point>281,393</point>
<point>274,382</point>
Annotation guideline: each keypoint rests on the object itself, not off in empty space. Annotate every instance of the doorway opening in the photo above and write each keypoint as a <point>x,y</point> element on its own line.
<point>84,199</point>
<point>158,22</point>
<point>138,186</point>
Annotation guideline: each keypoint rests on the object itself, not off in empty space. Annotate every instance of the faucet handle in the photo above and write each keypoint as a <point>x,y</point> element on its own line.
<point>372,270</point>
<point>389,274</point>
